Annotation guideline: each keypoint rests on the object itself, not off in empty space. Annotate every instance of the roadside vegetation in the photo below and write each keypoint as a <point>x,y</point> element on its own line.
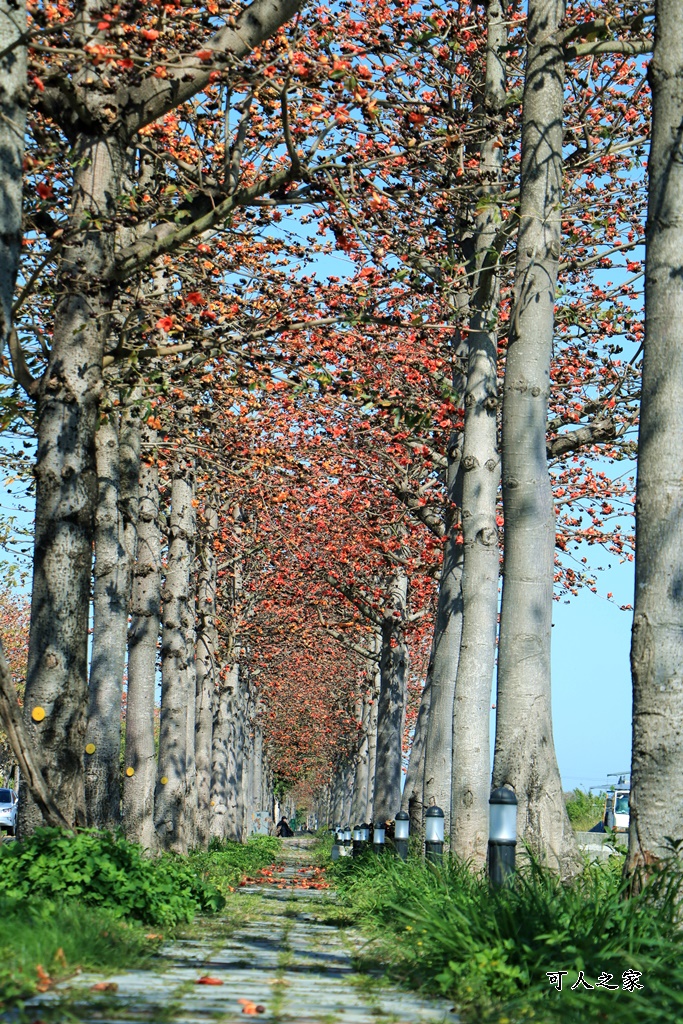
<point>94,900</point>
<point>585,809</point>
<point>444,931</point>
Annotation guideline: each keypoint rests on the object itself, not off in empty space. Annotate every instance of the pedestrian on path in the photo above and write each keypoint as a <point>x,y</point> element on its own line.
<point>283,830</point>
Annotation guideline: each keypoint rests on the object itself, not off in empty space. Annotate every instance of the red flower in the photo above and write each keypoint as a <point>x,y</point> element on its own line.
<point>165,323</point>
<point>195,298</point>
<point>44,190</point>
<point>150,34</point>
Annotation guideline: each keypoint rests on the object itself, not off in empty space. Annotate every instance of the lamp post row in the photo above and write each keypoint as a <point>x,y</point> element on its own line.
<point>502,836</point>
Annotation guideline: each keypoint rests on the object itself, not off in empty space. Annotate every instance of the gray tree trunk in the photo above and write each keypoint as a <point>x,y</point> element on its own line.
<point>226,780</point>
<point>657,642</point>
<point>336,799</point>
<point>66,484</point>
<point>413,791</point>
<point>438,749</point>
<point>117,450</point>
<point>359,805</point>
<point>480,482</point>
<point>191,797</point>
<point>171,789</point>
<point>524,752</point>
<point>349,780</point>
<point>372,751</point>
<point>143,640</point>
<point>13,103</point>
<point>392,700</point>
<point>206,672</point>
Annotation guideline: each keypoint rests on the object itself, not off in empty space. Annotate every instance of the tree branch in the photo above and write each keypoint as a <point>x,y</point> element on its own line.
<point>597,432</point>
<point>154,97</point>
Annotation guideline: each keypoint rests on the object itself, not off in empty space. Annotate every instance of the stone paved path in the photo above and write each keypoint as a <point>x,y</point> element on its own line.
<point>294,968</point>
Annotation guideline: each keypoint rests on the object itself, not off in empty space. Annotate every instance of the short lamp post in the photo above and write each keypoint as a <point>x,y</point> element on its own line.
<point>401,834</point>
<point>357,844</point>
<point>502,835</point>
<point>347,837</point>
<point>365,833</point>
<point>434,831</point>
<point>379,835</point>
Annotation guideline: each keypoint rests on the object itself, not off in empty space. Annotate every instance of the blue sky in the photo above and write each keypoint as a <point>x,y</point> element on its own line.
<point>592,681</point>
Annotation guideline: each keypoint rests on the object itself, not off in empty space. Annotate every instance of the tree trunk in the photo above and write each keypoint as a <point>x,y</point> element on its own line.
<point>359,805</point>
<point>171,789</point>
<point>66,485</point>
<point>13,102</point>
<point>412,800</point>
<point>206,672</point>
<point>392,700</point>
<point>191,798</point>
<point>226,781</point>
<point>480,481</point>
<point>143,640</point>
<point>375,684</point>
<point>438,751</point>
<point>115,527</point>
<point>525,753</point>
<point>657,642</point>
<point>336,804</point>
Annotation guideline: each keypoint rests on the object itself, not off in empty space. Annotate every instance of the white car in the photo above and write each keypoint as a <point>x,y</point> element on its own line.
<point>8,810</point>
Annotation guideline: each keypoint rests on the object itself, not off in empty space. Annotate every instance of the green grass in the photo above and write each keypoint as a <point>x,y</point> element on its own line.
<point>224,864</point>
<point>489,952</point>
<point>59,939</point>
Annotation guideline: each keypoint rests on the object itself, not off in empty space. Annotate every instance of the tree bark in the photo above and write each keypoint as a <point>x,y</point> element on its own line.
<point>392,699</point>
<point>226,762</point>
<point>438,749</point>
<point>13,103</point>
<point>657,641</point>
<point>143,641</point>
<point>372,733</point>
<point>412,801</point>
<point>171,788</point>
<point>191,797</point>
<point>359,805</point>
<point>206,672</point>
<point>524,751</point>
<point>66,484</point>
<point>480,481</point>
<point>117,447</point>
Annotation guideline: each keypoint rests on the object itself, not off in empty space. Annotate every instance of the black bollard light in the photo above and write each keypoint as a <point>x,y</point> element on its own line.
<point>379,834</point>
<point>434,831</point>
<point>357,844</point>
<point>401,834</point>
<point>347,840</point>
<point>365,833</point>
<point>502,835</point>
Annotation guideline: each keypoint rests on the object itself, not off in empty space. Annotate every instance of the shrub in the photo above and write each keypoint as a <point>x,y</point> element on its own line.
<point>100,869</point>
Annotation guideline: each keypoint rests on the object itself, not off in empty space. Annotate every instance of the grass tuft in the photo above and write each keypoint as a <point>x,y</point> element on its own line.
<point>490,952</point>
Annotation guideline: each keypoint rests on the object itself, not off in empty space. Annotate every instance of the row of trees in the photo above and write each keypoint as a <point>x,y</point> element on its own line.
<point>292,484</point>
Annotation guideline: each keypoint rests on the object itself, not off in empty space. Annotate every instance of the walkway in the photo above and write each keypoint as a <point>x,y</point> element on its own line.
<point>274,960</point>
